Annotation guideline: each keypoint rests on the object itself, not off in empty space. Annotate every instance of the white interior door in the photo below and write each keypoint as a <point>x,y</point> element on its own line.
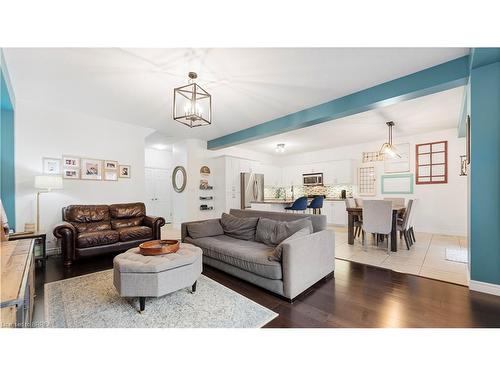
<point>158,193</point>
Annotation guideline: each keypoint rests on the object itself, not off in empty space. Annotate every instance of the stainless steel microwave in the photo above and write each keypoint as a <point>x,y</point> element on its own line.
<point>312,179</point>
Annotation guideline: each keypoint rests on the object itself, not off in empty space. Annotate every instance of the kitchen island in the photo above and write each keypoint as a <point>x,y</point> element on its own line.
<point>333,208</point>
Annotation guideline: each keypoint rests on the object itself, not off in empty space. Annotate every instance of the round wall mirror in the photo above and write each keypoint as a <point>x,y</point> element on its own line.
<point>179,179</point>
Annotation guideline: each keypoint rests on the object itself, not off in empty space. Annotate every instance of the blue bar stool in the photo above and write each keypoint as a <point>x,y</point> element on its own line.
<point>316,204</point>
<point>300,204</point>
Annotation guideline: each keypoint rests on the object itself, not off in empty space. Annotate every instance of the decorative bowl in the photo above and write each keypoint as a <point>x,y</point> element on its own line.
<point>159,247</point>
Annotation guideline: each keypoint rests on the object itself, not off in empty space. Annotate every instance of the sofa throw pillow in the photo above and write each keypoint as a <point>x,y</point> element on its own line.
<point>239,227</point>
<point>272,232</point>
<point>206,228</point>
<point>278,250</point>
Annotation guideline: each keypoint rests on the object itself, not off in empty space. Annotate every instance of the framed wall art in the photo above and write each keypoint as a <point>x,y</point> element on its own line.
<point>111,165</point>
<point>70,162</point>
<point>91,169</point>
<point>51,166</point>
<point>372,156</point>
<point>397,184</point>
<point>366,181</point>
<point>467,136</point>
<point>124,171</point>
<point>71,174</point>
<point>110,175</point>
<point>431,163</point>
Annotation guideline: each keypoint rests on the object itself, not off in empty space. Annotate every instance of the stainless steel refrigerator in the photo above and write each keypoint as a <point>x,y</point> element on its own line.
<point>252,188</point>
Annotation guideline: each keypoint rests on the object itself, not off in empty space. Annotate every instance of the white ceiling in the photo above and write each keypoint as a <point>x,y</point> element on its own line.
<point>421,115</point>
<point>249,86</point>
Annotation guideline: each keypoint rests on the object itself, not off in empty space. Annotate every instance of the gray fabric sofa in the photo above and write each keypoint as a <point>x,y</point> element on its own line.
<point>304,260</point>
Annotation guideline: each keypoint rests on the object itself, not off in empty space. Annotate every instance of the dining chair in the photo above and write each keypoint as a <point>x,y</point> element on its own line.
<point>396,201</point>
<point>300,204</point>
<point>316,204</point>
<point>359,202</point>
<point>403,226</point>
<point>412,219</point>
<point>377,219</point>
<point>358,222</point>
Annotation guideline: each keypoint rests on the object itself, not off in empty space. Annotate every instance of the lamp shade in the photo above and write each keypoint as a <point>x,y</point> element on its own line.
<point>48,182</point>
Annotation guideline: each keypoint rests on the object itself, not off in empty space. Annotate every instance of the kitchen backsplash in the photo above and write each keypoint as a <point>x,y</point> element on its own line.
<point>331,191</point>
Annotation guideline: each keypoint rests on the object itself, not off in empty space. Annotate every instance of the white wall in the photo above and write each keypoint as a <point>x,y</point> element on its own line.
<point>157,158</point>
<point>442,207</point>
<point>48,132</point>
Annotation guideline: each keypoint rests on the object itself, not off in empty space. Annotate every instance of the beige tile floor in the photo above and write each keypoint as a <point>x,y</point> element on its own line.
<point>425,258</point>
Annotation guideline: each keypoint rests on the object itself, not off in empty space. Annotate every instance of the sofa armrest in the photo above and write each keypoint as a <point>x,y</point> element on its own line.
<point>67,233</point>
<point>184,231</point>
<point>306,260</point>
<point>155,223</point>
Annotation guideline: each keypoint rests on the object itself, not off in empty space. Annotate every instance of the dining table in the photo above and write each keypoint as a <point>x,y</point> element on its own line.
<point>353,212</point>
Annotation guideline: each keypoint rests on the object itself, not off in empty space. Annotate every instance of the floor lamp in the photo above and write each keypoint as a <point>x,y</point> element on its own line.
<point>45,184</point>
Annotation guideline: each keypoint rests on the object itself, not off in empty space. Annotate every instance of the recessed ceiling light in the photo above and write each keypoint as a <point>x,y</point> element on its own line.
<point>280,147</point>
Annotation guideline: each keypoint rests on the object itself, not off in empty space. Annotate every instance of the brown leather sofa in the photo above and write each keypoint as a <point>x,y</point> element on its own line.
<point>89,230</point>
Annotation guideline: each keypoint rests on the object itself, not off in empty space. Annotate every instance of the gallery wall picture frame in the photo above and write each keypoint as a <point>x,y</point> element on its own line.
<point>111,165</point>
<point>398,165</point>
<point>91,169</point>
<point>51,166</point>
<point>431,163</point>
<point>366,181</point>
<point>110,175</point>
<point>70,162</point>
<point>124,171</point>
<point>71,173</point>
<point>371,156</point>
<point>397,183</point>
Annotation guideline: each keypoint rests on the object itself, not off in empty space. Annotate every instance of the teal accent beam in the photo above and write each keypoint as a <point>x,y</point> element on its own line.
<point>438,78</point>
<point>483,56</point>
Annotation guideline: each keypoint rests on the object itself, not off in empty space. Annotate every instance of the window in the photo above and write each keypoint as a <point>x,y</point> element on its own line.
<point>432,163</point>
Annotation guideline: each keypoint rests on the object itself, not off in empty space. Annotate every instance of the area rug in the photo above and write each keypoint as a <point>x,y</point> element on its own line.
<point>456,255</point>
<point>91,301</point>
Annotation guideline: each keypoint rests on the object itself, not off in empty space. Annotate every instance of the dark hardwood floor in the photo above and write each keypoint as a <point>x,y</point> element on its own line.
<point>358,296</point>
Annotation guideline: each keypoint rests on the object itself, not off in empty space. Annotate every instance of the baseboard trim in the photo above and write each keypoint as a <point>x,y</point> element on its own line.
<point>480,286</point>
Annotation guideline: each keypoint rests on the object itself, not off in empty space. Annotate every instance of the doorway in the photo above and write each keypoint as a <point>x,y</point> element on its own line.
<point>158,193</point>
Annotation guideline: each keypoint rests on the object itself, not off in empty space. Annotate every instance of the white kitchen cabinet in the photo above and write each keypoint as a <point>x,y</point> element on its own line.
<point>292,175</point>
<point>345,170</point>
<point>328,211</point>
<point>272,175</point>
<point>339,213</point>
<point>274,207</point>
<point>233,200</point>
<point>339,172</point>
<point>335,212</point>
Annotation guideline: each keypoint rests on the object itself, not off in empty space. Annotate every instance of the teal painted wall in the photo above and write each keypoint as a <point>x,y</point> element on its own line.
<point>7,171</point>
<point>485,173</point>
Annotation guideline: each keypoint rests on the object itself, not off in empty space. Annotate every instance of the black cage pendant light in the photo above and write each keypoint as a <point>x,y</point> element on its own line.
<point>388,149</point>
<point>192,104</point>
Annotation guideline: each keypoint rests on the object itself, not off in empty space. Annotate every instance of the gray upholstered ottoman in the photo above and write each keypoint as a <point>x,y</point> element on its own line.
<point>136,275</point>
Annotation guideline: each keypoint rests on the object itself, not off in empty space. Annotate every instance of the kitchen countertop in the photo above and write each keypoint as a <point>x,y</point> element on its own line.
<point>283,201</point>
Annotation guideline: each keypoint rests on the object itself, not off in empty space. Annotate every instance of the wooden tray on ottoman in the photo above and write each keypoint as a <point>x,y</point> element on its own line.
<point>159,247</point>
